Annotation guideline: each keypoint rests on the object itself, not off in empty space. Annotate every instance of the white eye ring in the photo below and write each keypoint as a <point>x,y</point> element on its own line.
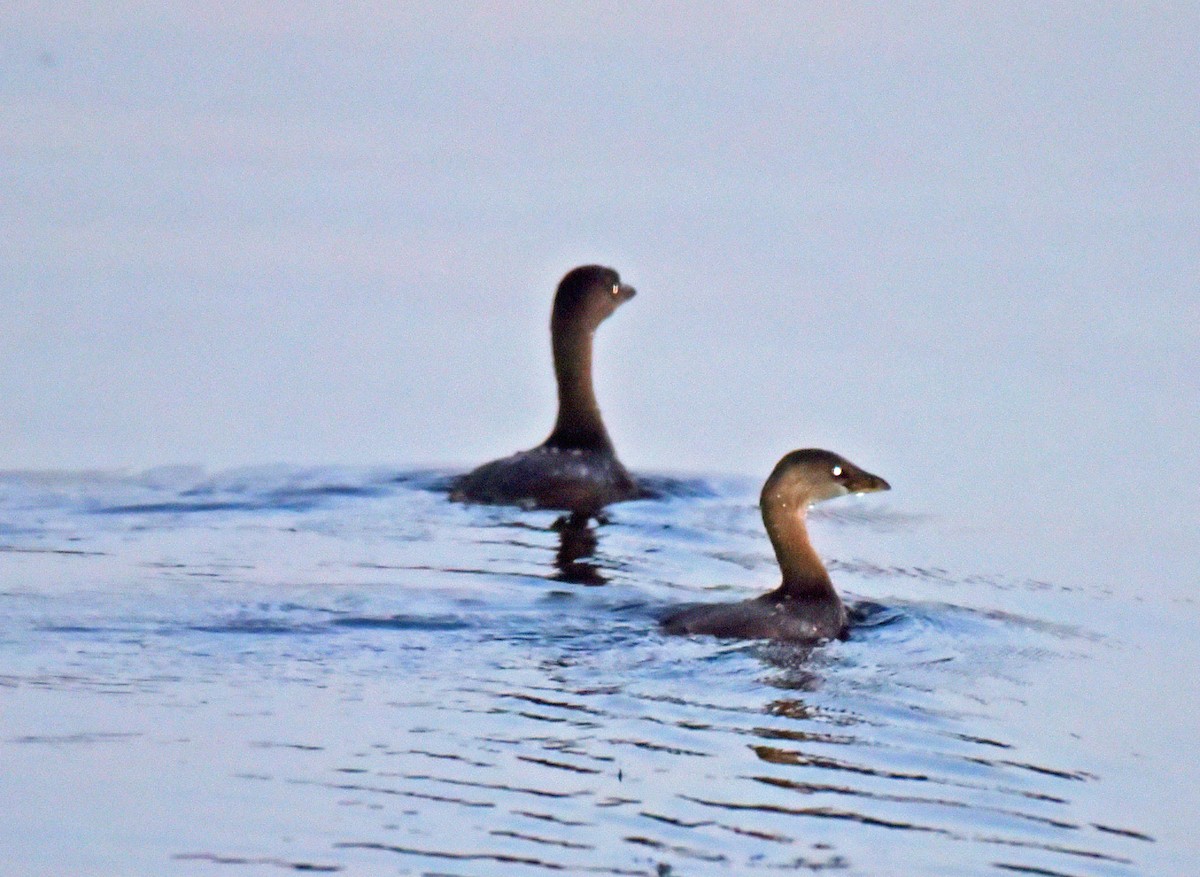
<point>837,471</point>
<point>616,289</point>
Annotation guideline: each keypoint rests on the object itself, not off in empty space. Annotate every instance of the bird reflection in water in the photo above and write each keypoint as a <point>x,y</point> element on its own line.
<point>577,542</point>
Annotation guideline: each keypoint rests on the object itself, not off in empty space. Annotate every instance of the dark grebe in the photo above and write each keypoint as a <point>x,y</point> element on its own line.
<point>576,468</point>
<point>805,607</point>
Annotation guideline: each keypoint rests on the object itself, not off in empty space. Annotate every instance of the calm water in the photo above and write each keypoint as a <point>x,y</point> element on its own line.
<point>955,242</point>
<point>337,670</point>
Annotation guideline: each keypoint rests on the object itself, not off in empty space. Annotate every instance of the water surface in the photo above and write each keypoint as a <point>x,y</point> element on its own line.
<point>337,670</point>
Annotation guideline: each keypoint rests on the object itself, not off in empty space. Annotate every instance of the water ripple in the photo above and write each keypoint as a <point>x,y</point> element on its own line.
<point>387,679</point>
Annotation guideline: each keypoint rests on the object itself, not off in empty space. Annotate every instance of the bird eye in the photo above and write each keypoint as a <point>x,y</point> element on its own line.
<point>837,471</point>
<point>616,289</point>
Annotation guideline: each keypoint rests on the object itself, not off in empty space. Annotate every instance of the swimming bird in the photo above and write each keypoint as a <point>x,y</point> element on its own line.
<point>575,468</point>
<point>805,607</point>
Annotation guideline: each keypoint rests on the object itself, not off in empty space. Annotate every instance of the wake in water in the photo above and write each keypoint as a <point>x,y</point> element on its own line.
<point>357,674</point>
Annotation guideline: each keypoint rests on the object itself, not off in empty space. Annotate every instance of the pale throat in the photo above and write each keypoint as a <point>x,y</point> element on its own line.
<point>804,575</point>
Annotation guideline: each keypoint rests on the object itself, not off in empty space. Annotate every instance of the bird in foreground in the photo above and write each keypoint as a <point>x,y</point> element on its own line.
<point>805,607</point>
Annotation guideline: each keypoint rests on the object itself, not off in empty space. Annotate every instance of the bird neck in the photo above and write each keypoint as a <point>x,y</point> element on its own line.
<point>804,576</point>
<point>578,424</point>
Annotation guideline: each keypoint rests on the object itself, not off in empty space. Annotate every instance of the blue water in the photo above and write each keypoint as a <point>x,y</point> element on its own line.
<point>959,248</point>
<point>338,670</point>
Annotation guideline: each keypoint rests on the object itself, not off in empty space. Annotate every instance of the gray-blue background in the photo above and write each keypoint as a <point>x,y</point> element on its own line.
<point>957,243</point>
